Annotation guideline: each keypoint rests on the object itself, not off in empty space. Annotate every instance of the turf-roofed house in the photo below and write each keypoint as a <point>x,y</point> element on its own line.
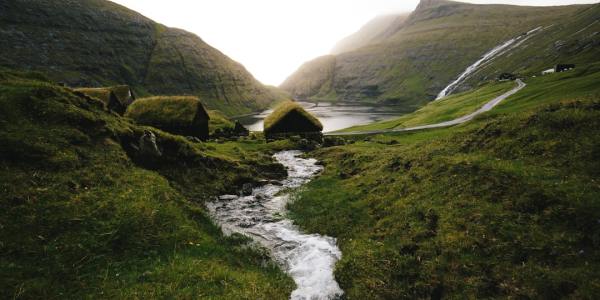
<point>182,115</point>
<point>116,98</point>
<point>290,119</point>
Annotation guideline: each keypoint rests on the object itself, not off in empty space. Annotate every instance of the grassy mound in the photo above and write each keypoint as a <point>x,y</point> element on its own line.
<point>166,110</point>
<point>505,206</point>
<point>121,92</point>
<point>182,115</point>
<point>80,217</point>
<point>283,109</point>
<point>102,94</point>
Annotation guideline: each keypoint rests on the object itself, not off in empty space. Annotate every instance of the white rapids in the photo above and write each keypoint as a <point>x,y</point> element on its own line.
<point>489,56</point>
<point>308,258</point>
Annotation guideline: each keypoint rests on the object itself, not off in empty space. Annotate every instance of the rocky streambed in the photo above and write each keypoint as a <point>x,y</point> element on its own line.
<point>308,258</point>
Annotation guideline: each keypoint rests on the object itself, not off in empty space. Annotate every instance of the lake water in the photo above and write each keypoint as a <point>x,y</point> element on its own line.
<point>333,116</point>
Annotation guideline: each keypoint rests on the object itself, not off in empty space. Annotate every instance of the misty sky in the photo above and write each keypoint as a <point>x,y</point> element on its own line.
<point>272,38</point>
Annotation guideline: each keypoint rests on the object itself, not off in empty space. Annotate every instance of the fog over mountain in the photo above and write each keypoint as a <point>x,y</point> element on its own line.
<point>273,38</point>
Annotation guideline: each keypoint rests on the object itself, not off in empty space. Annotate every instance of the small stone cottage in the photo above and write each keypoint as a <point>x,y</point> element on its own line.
<point>116,98</point>
<point>181,115</point>
<point>290,119</point>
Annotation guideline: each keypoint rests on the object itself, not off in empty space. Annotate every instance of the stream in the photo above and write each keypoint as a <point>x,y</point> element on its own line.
<point>308,258</point>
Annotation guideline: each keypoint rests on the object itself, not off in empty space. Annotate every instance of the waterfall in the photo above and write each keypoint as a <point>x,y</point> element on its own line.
<point>489,56</point>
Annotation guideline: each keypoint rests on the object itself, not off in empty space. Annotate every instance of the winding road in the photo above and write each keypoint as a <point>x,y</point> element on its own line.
<point>488,106</point>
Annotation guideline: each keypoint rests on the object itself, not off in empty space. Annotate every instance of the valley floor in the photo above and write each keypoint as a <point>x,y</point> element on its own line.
<point>505,205</point>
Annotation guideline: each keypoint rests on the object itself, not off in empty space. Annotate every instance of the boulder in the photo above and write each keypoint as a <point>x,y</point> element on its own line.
<point>147,145</point>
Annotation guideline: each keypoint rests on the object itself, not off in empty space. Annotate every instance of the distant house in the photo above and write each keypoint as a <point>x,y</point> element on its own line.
<point>549,71</point>
<point>181,115</point>
<point>290,119</point>
<point>563,67</point>
<point>116,98</point>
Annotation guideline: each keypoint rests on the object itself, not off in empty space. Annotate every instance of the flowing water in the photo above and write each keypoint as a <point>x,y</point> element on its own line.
<point>308,258</point>
<point>334,116</point>
<point>489,56</point>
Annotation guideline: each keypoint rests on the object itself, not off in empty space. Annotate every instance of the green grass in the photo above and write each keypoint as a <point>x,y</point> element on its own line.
<point>565,42</point>
<point>410,64</point>
<point>165,110</point>
<point>581,82</point>
<point>505,206</point>
<point>82,215</point>
<point>443,110</point>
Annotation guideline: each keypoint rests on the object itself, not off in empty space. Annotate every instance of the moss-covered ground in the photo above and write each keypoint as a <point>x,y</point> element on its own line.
<point>504,206</point>
<point>83,216</point>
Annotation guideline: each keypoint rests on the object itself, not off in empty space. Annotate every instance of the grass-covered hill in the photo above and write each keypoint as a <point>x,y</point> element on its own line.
<point>573,40</point>
<point>86,213</point>
<point>503,206</point>
<point>428,50</point>
<point>98,43</point>
<point>183,115</point>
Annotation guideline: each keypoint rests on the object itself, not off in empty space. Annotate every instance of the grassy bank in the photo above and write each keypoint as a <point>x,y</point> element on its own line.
<point>503,206</point>
<point>83,214</point>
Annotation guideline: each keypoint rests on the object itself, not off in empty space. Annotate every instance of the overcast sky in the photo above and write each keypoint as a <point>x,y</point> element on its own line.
<point>272,38</point>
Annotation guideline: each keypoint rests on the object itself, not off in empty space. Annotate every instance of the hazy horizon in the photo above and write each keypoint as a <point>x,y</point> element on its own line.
<point>273,38</point>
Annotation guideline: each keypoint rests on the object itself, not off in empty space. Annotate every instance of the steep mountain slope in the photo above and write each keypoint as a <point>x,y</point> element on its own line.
<point>574,40</point>
<point>374,31</point>
<point>97,42</point>
<point>429,50</point>
<point>314,79</point>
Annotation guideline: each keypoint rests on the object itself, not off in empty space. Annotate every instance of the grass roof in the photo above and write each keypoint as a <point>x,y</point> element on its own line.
<point>122,93</point>
<point>102,94</point>
<point>284,109</point>
<point>166,110</point>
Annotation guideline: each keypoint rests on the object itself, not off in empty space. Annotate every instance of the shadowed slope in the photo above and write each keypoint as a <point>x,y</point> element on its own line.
<point>92,43</point>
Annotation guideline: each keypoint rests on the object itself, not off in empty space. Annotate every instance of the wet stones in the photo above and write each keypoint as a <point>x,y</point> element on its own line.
<point>246,189</point>
<point>273,182</point>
